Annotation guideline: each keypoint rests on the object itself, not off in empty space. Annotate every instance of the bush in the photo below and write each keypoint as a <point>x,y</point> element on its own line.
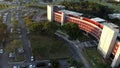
<point>55,63</point>
<point>73,62</point>
<point>42,27</point>
<point>72,30</point>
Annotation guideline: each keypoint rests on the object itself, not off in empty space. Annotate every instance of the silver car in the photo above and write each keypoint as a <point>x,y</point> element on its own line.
<point>1,51</point>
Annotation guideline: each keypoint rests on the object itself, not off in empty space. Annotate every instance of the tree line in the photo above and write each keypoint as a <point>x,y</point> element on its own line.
<point>3,30</point>
<point>88,8</point>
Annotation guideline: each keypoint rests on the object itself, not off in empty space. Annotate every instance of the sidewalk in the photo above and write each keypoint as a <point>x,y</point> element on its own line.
<point>78,49</point>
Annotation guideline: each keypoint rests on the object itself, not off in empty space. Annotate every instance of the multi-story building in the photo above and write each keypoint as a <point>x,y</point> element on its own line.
<point>105,33</point>
<point>117,0</point>
<point>114,0</point>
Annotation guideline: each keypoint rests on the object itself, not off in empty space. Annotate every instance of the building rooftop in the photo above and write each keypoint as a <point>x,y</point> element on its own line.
<point>72,12</point>
<point>114,15</point>
<point>97,19</point>
<point>60,6</point>
<point>112,26</point>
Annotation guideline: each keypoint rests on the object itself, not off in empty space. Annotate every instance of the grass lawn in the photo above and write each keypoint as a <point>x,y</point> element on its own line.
<point>47,47</point>
<point>95,59</point>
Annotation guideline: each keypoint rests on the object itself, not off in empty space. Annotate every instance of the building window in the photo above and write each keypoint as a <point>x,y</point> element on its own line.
<point>112,56</point>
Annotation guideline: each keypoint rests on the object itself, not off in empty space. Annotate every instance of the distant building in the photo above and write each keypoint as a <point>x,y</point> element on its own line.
<point>114,0</point>
<point>114,15</point>
<point>1,0</point>
<point>106,33</point>
<point>117,0</point>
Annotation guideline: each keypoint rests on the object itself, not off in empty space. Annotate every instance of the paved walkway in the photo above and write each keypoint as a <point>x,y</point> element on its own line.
<point>76,47</point>
<point>91,43</point>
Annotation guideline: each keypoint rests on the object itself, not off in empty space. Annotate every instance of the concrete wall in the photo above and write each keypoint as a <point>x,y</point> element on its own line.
<point>50,13</point>
<point>107,41</point>
<point>63,18</point>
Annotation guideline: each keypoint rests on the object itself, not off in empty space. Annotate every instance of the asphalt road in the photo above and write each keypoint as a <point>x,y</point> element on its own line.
<point>75,51</point>
<point>4,56</point>
<point>27,46</point>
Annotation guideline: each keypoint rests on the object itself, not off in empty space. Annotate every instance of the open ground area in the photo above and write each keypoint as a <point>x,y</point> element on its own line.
<point>46,47</point>
<point>95,59</point>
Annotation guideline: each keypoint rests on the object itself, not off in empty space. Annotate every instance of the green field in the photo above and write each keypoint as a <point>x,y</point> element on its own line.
<point>95,59</point>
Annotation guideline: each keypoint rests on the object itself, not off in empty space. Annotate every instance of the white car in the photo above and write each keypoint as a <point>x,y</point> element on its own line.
<point>31,66</point>
<point>11,30</point>
<point>16,66</point>
<point>32,58</point>
<point>1,51</point>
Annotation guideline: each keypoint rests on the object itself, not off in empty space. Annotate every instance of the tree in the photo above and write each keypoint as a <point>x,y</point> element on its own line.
<point>3,31</point>
<point>72,30</point>
<point>42,28</point>
<point>13,45</point>
<point>1,19</point>
<point>47,0</point>
<point>8,0</point>
<point>73,62</point>
<point>55,63</point>
<point>14,24</point>
<point>89,8</point>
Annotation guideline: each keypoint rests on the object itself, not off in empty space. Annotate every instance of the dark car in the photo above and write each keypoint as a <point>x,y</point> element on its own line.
<point>41,64</point>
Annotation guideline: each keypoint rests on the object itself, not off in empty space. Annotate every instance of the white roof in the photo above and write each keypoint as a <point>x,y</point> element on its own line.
<point>97,19</point>
<point>71,12</point>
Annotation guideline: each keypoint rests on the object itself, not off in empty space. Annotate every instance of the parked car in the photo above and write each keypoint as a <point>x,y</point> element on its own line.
<point>11,55</point>
<point>16,66</point>
<point>32,58</point>
<point>1,51</point>
<point>41,64</point>
<point>20,50</point>
<point>31,66</point>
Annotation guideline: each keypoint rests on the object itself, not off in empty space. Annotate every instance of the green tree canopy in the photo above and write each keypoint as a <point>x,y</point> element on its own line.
<point>72,30</point>
<point>88,8</point>
<point>14,45</point>
<point>42,28</point>
<point>3,31</point>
